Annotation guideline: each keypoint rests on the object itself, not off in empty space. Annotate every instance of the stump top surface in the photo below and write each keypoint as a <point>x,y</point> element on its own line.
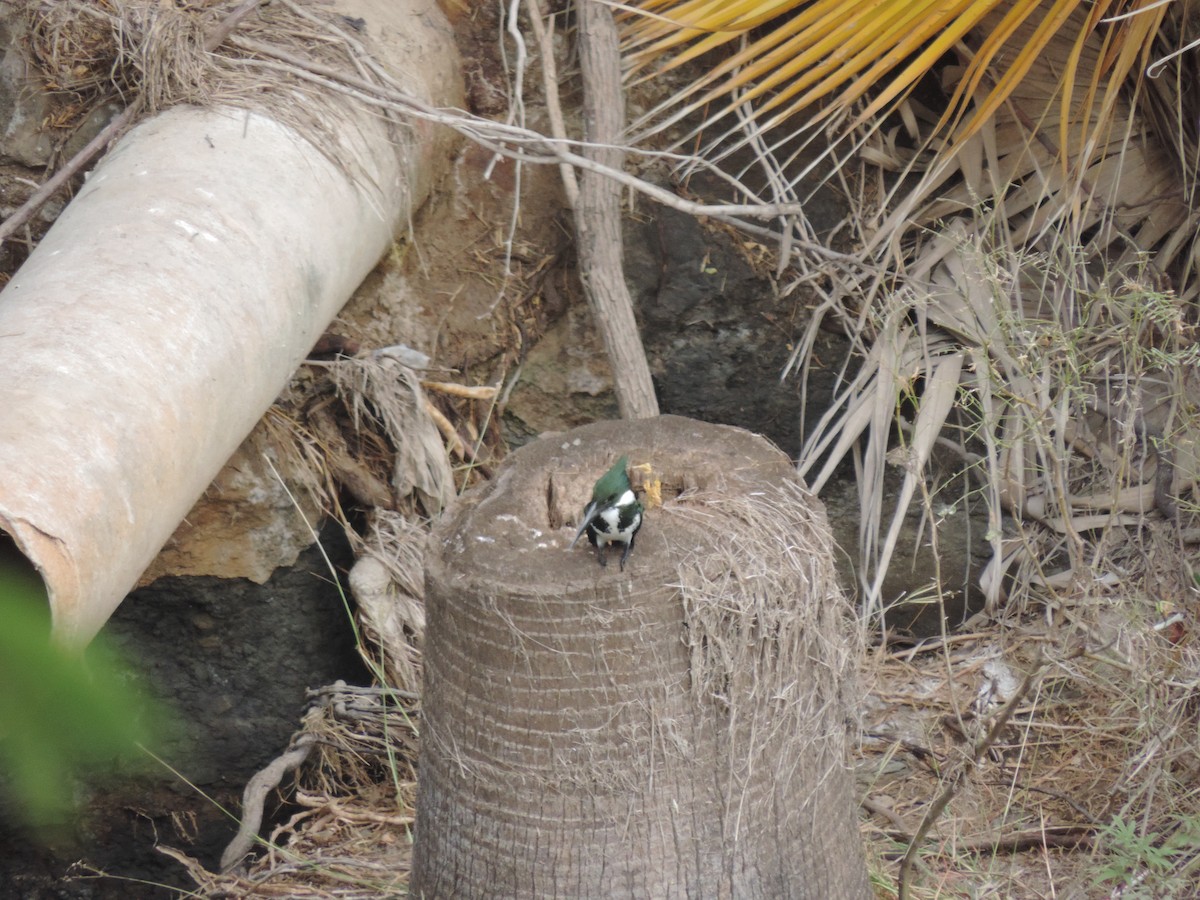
<point>515,530</point>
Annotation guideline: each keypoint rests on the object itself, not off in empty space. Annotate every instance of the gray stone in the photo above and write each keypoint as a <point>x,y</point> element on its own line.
<point>24,107</point>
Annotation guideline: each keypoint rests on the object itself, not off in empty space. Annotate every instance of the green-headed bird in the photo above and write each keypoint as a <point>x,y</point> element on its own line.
<point>614,514</point>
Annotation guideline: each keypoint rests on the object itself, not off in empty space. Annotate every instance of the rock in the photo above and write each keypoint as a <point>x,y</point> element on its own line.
<point>565,380</point>
<point>24,106</point>
<point>250,521</point>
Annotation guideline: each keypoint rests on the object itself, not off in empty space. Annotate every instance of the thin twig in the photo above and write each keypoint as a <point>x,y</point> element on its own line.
<point>558,127</point>
<point>530,146</point>
<point>516,115</point>
<point>68,171</point>
<point>1071,837</point>
<point>511,140</point>
<point>981,748</point>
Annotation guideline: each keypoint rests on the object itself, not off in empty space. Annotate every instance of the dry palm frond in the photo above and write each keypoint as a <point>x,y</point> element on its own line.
<point>1111,186</point>
<point>388,584</point>
<point>1076,395</point>
<point>1033,262</point>
<point>1035,191</point>
<point>849,52</point>
<point>383,394</point>
<point>901,357</point>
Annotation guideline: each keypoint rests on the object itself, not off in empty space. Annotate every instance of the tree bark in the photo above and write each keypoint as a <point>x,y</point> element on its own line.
<point>598,213</point>
<point>589,732</point>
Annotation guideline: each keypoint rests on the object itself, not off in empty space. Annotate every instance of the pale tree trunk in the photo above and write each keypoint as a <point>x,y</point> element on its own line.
<point>676,730</point>
<point>163,313</point>
<point>598,214</point>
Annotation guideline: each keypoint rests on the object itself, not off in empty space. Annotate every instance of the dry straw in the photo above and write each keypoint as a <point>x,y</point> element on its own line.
<point>762,604</point>
<point>153,55</point>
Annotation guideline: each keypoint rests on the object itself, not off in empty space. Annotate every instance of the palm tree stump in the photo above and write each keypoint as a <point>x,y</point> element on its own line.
<point>676,730</point>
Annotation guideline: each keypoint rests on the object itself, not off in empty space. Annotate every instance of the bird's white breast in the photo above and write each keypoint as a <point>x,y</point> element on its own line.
<point>611,516</point>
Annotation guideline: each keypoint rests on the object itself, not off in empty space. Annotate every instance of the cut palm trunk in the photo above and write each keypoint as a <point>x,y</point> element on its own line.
<point>676,729</point>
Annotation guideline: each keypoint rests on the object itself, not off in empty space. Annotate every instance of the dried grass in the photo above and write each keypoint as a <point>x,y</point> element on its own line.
<point>763,605</point>
<point>1108,734</point>
<point>352,838</point>
<point>365,426</point>
<point>154,55</point>
<point>384,396</point>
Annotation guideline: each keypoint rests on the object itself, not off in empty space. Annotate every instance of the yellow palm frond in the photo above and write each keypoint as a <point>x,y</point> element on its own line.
<point>830,55</point>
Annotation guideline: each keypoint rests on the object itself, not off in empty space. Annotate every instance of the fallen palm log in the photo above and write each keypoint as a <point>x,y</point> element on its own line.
<point>176,294</point>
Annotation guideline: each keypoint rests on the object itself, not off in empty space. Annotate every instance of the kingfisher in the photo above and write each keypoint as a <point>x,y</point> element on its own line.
<point>614,514</point>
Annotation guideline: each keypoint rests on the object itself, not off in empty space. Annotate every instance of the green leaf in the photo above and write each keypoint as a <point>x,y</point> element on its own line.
<point>61,713</point>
